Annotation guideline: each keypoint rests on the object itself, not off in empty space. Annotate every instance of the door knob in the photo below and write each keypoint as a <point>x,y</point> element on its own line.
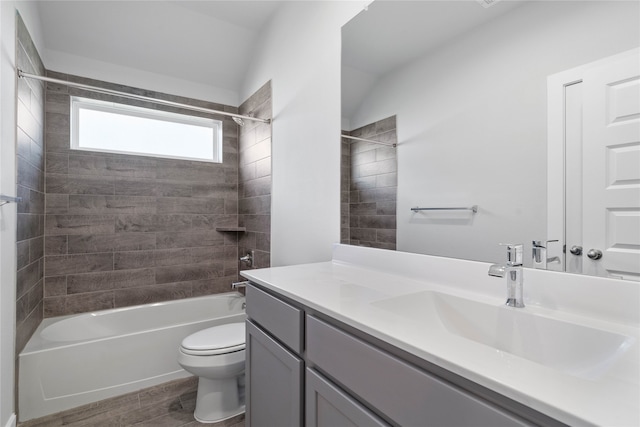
<point>594,254</point>
<point>576,250</point>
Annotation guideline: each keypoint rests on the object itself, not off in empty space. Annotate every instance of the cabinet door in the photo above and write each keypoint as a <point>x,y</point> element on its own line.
<point>274,382</point>
<point>328,406</point>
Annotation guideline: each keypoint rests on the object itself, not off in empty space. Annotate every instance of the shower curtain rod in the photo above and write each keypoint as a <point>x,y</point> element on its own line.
<point>389,144</point>
<point>24,75</point>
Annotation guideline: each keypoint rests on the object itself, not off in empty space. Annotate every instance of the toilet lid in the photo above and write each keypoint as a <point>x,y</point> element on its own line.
<point>216,340</point>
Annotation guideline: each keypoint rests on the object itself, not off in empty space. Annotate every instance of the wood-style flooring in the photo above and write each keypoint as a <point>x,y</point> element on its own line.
<point>166,405</point>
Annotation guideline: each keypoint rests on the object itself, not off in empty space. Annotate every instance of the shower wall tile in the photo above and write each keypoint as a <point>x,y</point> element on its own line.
<point>55,286</point>
<point>25,329</point>
<point>369,187</point>
<point>89,243</point>
<point>30,164</point>
<point>22,253</point>
<point>211,222</point>
<point>78,303</point>
<point>78,224</point>
<point>345,187</point>
<point>75,184</point>
<point>91,282</point>
<point>183,273</point>
<point>160,188</point>
<point>81,263</point>
<point>189,240</point>
<point>254,203</point>
<point>123,230</point>
<point>215,285</point>
<point>112,165</point>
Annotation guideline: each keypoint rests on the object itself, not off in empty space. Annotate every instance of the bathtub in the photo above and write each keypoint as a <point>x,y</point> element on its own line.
<point>74,360</point>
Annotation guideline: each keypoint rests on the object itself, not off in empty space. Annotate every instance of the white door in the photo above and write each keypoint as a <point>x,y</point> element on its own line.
<point>611,171</point>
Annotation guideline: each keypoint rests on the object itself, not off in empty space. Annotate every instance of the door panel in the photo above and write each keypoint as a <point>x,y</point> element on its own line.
<point>611,148</point>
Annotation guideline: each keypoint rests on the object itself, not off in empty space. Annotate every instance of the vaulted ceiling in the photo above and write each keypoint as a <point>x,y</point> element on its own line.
<point>206,42</point>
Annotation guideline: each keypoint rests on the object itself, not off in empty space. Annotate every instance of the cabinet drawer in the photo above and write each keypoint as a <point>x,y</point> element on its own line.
<point>282,320</point>
<point>404,393</point>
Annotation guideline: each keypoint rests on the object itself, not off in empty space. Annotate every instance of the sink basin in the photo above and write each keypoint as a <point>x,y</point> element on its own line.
<point>575,349</point>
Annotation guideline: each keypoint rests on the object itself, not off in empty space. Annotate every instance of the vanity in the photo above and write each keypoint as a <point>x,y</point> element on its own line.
<point>378,338</point>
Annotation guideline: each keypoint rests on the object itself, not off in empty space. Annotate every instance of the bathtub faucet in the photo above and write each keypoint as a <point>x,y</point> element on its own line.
<point>236,285</point>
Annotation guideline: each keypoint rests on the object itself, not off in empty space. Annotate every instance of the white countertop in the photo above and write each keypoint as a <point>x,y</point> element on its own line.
<point>348,287</point>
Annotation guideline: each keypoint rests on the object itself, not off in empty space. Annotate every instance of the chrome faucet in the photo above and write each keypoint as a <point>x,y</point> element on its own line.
<point>539,254</point>
<point>513,271</point>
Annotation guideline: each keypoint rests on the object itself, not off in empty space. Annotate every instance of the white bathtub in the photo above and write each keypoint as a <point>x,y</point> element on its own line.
<point>84,358</point>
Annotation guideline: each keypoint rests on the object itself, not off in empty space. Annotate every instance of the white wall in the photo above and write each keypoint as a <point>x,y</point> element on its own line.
<point>300,54</point>
<point>472,123</point>
<point>8,219</point>
<point>7,212</point>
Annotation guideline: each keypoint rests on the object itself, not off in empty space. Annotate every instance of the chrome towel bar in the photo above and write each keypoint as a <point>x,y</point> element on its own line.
<point>473,209</point>
<point>8,199</point>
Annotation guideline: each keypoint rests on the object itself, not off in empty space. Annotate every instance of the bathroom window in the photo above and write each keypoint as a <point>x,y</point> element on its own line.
<point>110,127</point>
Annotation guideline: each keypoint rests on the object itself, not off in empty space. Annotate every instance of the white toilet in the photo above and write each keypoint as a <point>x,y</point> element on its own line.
<point>216,355</point>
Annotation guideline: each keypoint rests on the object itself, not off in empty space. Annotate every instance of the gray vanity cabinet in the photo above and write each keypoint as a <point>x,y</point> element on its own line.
<point>350,381</point>
<point>274,368</point>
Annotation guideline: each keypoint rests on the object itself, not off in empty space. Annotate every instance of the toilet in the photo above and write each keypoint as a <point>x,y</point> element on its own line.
<point>216,356</point>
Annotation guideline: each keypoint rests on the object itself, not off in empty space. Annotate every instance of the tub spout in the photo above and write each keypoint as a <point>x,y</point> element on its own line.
<point>238,285</point>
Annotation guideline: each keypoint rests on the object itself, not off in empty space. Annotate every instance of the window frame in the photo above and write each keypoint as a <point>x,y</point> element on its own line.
<point>78,102</point>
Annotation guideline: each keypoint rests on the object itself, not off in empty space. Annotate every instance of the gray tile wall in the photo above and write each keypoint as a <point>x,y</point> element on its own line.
<point>122,230</point>
<point>30,186</point>
<point>254,202</point>
<point>345,188</point>
<point>372,175</point>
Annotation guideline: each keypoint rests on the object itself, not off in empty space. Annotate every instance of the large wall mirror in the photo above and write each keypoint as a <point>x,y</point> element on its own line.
<point>467,87</point>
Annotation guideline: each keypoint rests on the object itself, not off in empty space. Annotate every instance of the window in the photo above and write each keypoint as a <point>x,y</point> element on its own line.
<point>118,128</point>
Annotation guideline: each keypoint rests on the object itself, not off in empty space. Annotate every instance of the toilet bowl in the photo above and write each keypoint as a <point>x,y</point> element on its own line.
<point>216,356</point>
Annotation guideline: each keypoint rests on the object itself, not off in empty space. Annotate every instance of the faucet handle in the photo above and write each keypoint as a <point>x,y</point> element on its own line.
<point>514,253</point>
<point>542,243</point>
<point>539,254</point>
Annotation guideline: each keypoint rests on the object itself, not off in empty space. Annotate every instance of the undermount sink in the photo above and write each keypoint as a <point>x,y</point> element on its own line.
<point>575,349</point>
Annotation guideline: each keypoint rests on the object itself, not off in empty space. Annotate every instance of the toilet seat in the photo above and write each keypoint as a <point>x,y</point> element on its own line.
<point>219,339</point>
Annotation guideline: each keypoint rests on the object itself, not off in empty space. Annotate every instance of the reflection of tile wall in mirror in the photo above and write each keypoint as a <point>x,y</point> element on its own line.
<point>369,186</point>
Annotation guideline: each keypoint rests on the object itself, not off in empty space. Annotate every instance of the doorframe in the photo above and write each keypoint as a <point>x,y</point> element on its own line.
<point>556,86</point>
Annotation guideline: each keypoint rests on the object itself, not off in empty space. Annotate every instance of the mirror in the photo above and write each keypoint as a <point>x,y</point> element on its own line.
<point>466,83</point>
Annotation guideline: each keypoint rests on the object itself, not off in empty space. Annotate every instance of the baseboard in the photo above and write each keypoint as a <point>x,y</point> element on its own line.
<point>11,422</point>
